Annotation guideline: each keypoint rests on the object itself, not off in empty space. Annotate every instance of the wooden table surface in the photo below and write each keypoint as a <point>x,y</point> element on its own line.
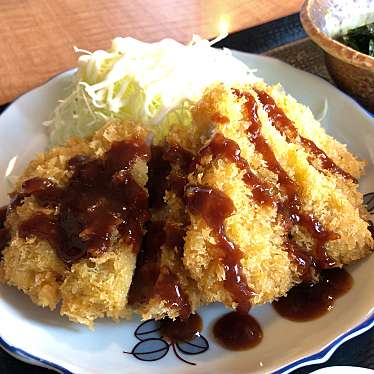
<point>37,36</point>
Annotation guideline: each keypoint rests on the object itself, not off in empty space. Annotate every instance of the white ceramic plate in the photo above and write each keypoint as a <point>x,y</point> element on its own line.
<point>44,338</point>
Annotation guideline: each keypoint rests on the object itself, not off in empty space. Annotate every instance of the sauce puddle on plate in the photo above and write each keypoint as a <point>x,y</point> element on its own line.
<point>181,330</point>
<point>237,331</point>
<point>306,302</point>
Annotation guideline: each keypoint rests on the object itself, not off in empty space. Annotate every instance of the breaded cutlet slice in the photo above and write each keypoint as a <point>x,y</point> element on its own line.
<point>162,287</point>
<point>90,287</point>
<point>268,237</point>
<point>172,293</point>
<point>308,127</point>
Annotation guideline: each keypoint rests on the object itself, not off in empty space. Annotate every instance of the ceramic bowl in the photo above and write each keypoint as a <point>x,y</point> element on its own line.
<point>324,21</point>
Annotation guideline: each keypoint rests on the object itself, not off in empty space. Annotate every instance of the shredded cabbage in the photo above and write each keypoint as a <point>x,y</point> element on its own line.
<point>323,113</point>
<point>154,84</point>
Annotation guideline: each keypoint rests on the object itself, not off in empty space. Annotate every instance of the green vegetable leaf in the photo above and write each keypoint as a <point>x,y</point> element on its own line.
<point>153,84</point>
<point>371,48</point>
<point>360,39</point>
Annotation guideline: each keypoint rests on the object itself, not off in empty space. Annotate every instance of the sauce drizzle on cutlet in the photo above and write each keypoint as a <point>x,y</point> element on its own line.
<point>175,236</point>
<point>169,289</point>
<point>44,190</point>
<point>287,128</point>
<point>304,261</point>
<point>158,170</point>
<point>181,161</point>
<point>291,208</point>
<point>46,228</point>
<point>222,147</point>
<point>3,211</point>
<point>147,268</point>
<point>371,229</point>
<point>101,202</point>
<point>16,199</point>
<point>4,232</point>
<point>150,278</point>
<point>214,207</point>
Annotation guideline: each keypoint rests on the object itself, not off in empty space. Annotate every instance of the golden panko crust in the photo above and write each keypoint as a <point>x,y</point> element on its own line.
<point>91,288</point>
<point>334,200</point>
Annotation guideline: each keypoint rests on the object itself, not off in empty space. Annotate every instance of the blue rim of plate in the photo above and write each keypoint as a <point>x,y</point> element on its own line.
<point>31,359</point>
<point>326,353</point>
<point>315,358</point>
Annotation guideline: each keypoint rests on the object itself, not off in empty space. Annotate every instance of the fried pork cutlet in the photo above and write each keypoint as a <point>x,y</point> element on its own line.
<point>272,200</point>
<point>253,198</point>
<point>76,222</point>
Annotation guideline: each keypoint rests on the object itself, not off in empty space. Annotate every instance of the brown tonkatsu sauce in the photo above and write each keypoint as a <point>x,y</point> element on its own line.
<point>4,233</point>
<point>16,199</point>
<point>150,278</point>
<point>219,118</point>
<point>291,208</point>
<point>3,211</point>
<point>309,301</point>
<point>44,190</point>
<point>101,202</point>
<point>287,128</point>
<point>305,302</point>
<point>162,177</point>
<point>326,162</point>
<point>176,154</point>
<point>237,331</point>
<point>214,207</point>
<point>147,268</point>
<point>169,289</point>
<point>371,229</point>
<point>158,170</point>
<point>181,330</point>
<point>42,226</point>
<point>221,147</point>
<point>181,162</point>
<point>304,261</point>
<point>175,236</point>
